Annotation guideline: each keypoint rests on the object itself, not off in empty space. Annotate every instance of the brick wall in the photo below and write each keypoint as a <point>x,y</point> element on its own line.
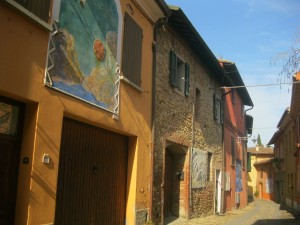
<point>174,123</point>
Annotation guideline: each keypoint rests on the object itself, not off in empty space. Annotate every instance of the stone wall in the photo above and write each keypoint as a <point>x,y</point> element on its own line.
<point>175,123</point>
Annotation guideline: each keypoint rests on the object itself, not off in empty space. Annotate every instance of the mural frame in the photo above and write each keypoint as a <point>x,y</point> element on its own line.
<point>50,63</point>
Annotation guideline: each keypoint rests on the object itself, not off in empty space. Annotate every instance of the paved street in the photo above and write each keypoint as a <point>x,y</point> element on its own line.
<point>259,212</point>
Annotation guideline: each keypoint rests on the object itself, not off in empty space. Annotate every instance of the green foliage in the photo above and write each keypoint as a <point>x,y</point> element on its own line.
<point>259,140</point>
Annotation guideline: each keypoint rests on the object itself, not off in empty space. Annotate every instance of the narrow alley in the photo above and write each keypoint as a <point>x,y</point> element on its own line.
<point>259,212</point>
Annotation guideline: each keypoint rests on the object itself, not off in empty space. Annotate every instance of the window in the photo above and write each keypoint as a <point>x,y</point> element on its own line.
<point>209,166</point>
<point>233,96</point>
<point>198,105</point>
<point>242,109</point>
<point>40,8</point>
<point>132,50</point>
<point>248,162</point>
<point>218,109</point>
<point>9,115</point>
<point>232,151</point>
<point>179,74</point>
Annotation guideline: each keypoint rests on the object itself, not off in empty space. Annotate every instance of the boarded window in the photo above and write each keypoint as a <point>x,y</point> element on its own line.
<point>132,50</point>
<point>179,74</point>
<point>40,8</point>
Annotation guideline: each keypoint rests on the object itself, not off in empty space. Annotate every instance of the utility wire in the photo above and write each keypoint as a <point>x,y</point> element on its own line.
<point>260,85</point>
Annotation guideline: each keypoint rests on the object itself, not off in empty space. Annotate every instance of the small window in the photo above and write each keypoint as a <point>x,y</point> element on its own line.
<point>40,8</point>
<point>9,115</point>
<point>209,167</point>
<point>248,162</point>
<point>242,109</point>
<point>132,51</point>
<point>233,96</point>
<point>179,74</point>
<point>232,151</point>
<point>198,105</point>
<point>218,109</point>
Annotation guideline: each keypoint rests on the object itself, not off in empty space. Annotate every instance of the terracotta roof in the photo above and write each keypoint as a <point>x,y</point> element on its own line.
<point>261,150</point>
<point>234,75</point>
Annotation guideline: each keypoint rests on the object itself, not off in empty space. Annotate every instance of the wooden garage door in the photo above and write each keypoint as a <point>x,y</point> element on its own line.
<point>92,175</point>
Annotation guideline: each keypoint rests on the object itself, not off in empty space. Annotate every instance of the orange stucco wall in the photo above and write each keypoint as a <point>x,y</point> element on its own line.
<point>23,57</point>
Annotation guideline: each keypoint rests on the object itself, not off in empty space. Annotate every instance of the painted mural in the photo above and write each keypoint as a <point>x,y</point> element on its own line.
<point>199,168</point>
<point>238,176</point>
<point>82,59</point>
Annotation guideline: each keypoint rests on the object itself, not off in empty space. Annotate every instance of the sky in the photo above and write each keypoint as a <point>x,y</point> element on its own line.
<point>256,35</point>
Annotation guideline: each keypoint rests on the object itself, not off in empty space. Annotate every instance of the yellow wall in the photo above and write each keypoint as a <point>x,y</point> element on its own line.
<point>252,176</point>
<point>23,57</point>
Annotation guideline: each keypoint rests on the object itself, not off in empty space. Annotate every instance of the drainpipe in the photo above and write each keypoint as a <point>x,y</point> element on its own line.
<point>247,145</point>
<point>159,23</point>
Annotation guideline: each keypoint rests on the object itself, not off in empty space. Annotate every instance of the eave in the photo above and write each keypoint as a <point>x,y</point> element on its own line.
<point>237,80</point>
<point>179,22</point>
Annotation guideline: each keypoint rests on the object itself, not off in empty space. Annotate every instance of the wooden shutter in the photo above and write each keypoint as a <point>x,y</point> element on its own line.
<point>187,79</point>
<point>248,162</point>
<point>222,112</point>
<point>173,69</point>
<point>232,151</point>
<point>40,8</point>
<point>132,50</point>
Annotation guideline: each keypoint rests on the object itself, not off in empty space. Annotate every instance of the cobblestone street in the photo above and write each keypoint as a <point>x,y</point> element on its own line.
<point>259,212</point>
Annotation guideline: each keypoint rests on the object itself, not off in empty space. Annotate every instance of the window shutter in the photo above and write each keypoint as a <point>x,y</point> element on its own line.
<point>248,162</point>
<point>187,79</point>
<point>232,151</point>
<point>173,69</point>
<point>222,111</point>
<point>40,8</point>
<point>132,50</point>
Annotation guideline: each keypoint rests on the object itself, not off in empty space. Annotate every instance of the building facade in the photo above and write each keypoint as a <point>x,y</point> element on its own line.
<point>286,146</point>
<point>264,179</point>
<point>237,129</point>
<point>188,126</point>
<point>75,111</point>
<point>260,179</point>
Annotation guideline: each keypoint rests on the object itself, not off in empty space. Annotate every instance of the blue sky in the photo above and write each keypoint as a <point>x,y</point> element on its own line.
<point>253,34</point>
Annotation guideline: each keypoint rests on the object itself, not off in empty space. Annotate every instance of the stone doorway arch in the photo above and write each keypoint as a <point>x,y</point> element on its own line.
<point>175,181</point>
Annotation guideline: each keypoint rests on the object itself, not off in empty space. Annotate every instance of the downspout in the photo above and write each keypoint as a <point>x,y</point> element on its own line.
<point>193,145</point>
<point>247,144</point>
<point>159,23</point>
